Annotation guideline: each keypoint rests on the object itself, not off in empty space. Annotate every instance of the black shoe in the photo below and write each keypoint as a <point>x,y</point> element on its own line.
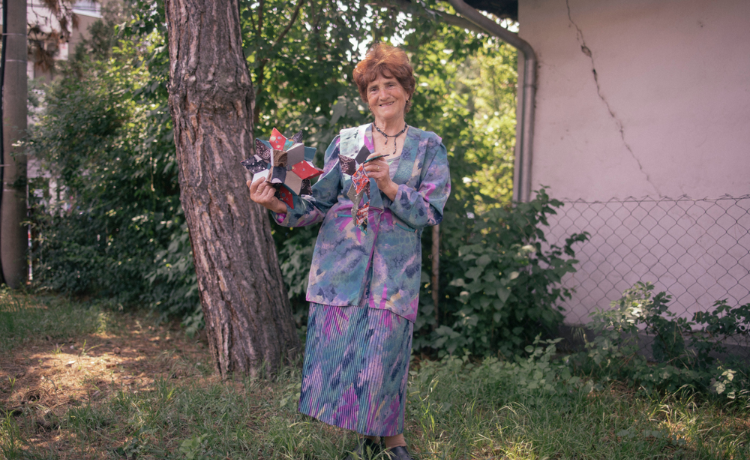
<point>399,453</point>
<point>366,449</point>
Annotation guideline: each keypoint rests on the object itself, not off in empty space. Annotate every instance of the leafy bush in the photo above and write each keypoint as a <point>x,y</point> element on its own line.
<point>111,224</point>
<point>613,352</point>
<point>503,281</point>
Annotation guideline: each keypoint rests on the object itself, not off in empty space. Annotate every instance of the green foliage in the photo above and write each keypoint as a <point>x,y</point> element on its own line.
<point>504,280</point>
<point>112,225</point>
<point>613,352</point>
<point>538,374</point>
<point>118,229</point>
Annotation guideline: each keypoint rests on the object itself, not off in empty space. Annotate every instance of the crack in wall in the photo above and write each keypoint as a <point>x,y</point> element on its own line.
<point>587,51</point>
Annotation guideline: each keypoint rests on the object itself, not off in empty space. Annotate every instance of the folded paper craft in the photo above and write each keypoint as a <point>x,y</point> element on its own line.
<point>348,165</point>
<point>360,179</point>
<point>255,164</point>
<point>362,155</point>
<point>285,195</point>
<point>286,163</point>
<point>360,183</point>
<point>305,170</point>
<point>361,216</point>
<point>277,141</point>
<point>293,182</point>
<point>306,188</point>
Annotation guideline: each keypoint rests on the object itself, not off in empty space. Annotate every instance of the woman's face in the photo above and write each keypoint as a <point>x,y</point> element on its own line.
<point>387,98</point>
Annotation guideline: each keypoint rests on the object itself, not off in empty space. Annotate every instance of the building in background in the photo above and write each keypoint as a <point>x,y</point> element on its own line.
<point>642,127</point>
<point>51,37</point>
<point>58,41</point>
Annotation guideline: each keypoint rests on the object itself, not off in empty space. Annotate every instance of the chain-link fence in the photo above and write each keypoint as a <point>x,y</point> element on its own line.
<point>696,250</point>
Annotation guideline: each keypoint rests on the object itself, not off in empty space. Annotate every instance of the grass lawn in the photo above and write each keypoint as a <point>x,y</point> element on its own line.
<point>81,382</point>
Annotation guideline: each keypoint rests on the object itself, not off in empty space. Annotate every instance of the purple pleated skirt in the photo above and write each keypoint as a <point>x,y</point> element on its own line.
<point>356,368</point>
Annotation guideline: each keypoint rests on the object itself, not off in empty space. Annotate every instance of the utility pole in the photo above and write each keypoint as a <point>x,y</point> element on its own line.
<point>13,211</point>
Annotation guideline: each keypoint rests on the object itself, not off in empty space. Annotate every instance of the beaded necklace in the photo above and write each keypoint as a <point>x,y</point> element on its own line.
<point>393,136</point>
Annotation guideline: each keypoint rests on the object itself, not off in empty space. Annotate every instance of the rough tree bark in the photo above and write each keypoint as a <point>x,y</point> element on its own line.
<point>247,313</point>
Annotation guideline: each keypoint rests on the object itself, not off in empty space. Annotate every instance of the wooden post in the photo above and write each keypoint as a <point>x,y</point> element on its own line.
<point>436,271</point>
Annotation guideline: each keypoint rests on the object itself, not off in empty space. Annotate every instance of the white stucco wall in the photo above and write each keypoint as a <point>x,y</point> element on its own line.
<point>676,76</point>
<point>669,116</point>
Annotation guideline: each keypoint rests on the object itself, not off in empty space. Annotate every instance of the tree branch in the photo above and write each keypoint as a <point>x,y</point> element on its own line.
<point>289,26</point>
<point>262,62</point>
<point>259,30</point>
<point>409,7</point>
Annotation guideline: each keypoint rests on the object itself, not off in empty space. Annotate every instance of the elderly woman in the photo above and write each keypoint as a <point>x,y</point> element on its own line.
<point>364,281</point>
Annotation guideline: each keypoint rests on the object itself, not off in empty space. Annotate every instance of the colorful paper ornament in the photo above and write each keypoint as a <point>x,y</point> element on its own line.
<point>286,163</point>
<point>348,165</point>
<point>361,216</point>
<point>305,170</point>
<point>255,164</point>
<point>285,195</point>
<point>306,188</point>
<point>360,183</point>
<point>293,182</point>
<point>276,140</point>
<point>360,179</point>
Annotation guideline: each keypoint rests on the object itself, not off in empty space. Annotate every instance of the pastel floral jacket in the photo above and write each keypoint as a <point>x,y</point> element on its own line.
<point>385,261</point>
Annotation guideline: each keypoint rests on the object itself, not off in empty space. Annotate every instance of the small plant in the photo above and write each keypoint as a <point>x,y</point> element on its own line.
<point>194,447</point>
<point>679,362</point>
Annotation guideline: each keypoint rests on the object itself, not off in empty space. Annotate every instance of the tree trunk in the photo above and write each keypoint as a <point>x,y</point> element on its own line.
<point>13,243</point>
<point>247,313</point>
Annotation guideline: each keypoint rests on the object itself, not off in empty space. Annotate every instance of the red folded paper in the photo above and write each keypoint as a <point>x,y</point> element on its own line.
<point>305,170</point>
<point>277,140</point>
<point>360,179</point>
<point>286,196</point>
<point>361,218</point>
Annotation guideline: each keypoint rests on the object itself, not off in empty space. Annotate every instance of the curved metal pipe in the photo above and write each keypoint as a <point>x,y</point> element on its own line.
<point>527,95</point>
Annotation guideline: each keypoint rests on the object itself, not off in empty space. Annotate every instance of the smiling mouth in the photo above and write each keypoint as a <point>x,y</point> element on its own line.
<point>387,104</point>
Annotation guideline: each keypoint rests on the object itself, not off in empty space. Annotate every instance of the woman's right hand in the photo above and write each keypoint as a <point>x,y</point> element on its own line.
<point>263,193</point>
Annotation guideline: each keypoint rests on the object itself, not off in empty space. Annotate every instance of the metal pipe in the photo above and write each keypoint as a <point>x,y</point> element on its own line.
<point>527,95</point>
<point>13,208</point>
<point>3,57</point>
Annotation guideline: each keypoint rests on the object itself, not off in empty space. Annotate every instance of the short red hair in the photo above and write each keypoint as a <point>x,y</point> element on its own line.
<point>388,61</point>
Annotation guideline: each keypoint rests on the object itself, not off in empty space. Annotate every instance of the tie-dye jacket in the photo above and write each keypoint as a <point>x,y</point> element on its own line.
<point>384,262</point>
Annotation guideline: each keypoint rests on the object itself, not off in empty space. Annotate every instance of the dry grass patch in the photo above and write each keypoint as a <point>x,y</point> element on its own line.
<point>44,376</point>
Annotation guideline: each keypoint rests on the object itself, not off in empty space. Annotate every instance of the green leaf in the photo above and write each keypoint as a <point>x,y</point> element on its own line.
<point>483,260</point>
<point>474,272</point>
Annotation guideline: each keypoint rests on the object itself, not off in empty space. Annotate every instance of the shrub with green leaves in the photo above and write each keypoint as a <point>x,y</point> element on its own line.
<point>614,349</point>
<point>504,281</point>
<point>112,225</point>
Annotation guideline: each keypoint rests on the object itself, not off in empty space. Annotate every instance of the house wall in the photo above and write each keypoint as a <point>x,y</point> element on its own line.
<point>649,100</point>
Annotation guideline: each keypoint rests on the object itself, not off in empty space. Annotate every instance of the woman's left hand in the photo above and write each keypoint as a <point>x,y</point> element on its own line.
<point>379,170</point>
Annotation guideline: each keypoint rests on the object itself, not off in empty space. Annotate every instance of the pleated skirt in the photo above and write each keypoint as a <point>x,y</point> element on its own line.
<point>356,368</point>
